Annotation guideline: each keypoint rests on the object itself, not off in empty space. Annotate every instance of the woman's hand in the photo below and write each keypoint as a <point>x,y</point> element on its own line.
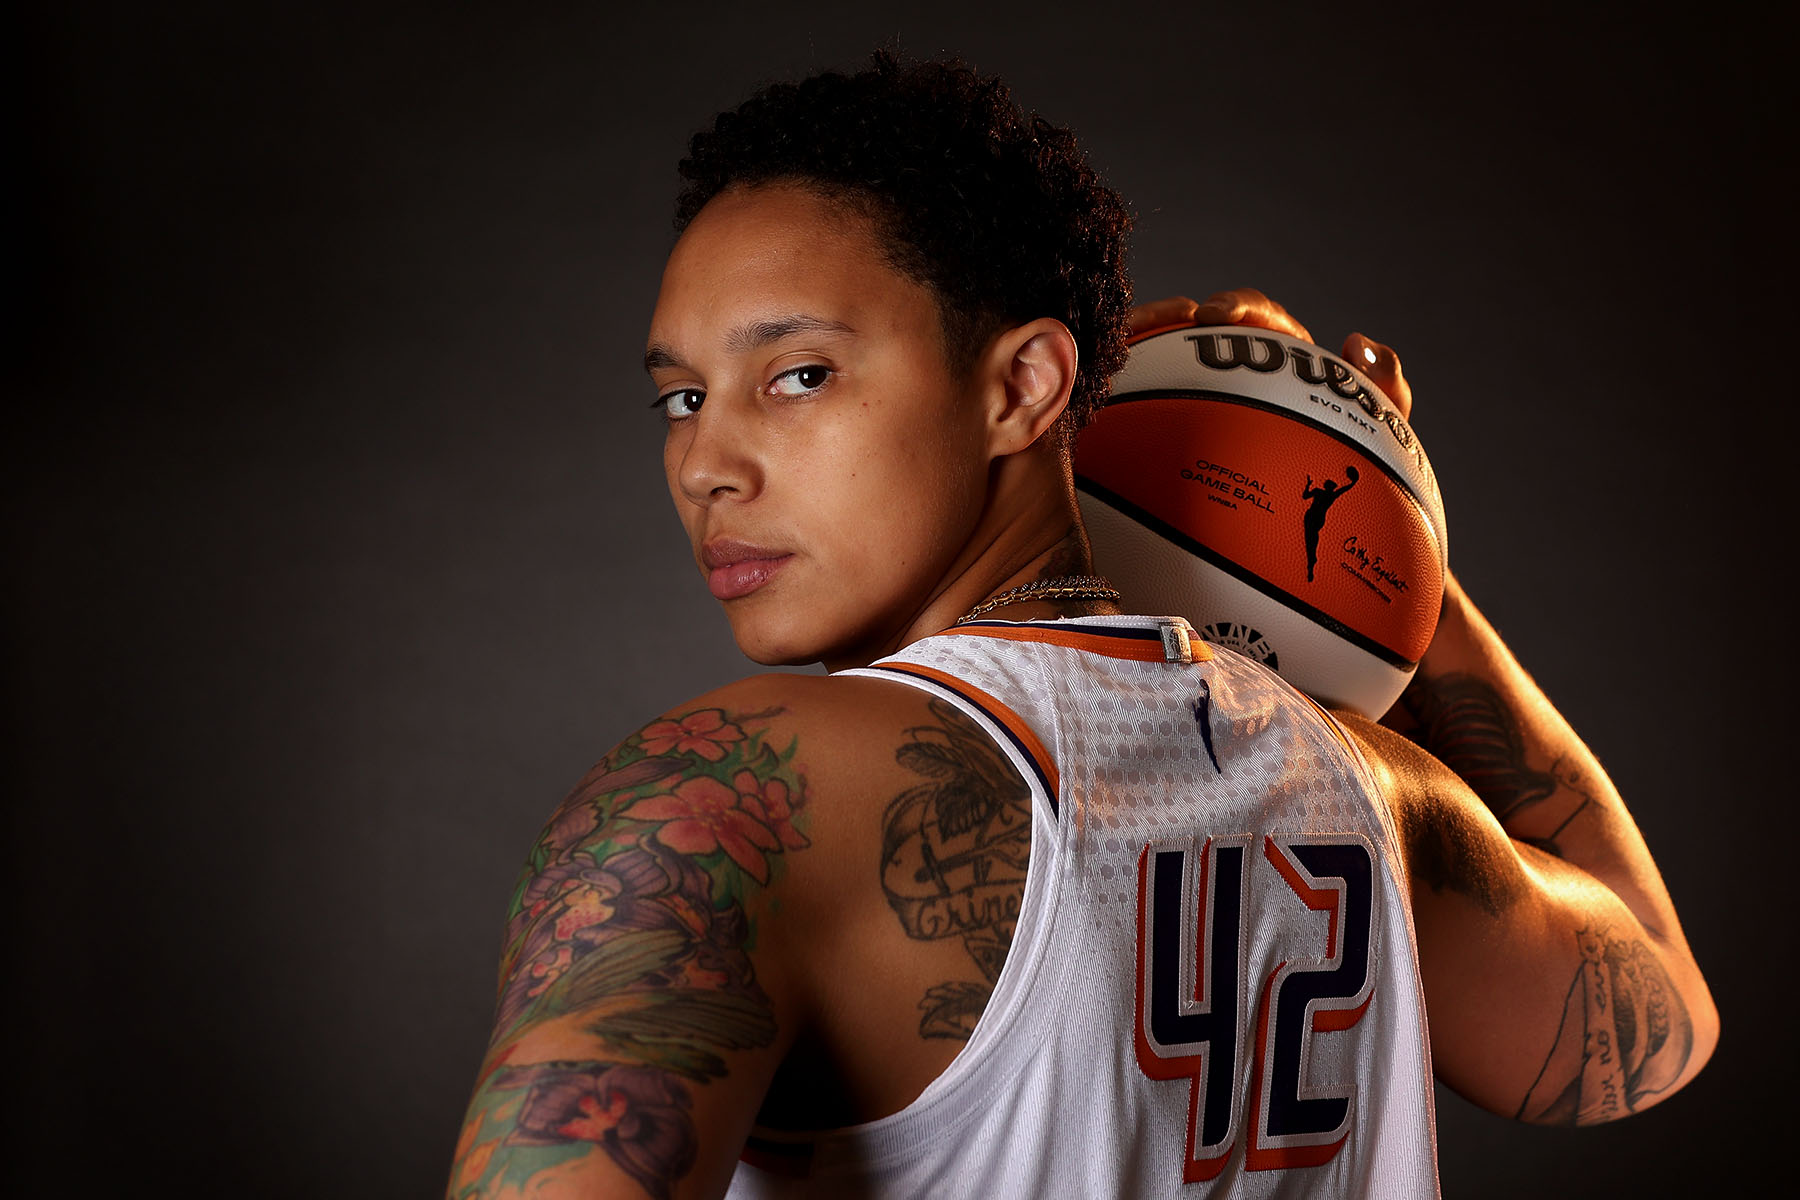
<point>1247,306</point>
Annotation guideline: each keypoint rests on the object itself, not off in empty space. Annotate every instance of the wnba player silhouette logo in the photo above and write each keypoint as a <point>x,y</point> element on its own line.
<point>1322,498</point>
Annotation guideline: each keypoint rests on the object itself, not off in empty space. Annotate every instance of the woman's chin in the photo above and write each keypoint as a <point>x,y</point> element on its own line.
<point>769,647</point>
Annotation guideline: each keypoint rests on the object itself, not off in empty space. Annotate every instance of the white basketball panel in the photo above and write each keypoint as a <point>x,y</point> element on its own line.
<point>1161,579</point>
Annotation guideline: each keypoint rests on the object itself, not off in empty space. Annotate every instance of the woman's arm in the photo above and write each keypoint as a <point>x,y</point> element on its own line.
<point>640,1015</point>
<point>1558,983</point>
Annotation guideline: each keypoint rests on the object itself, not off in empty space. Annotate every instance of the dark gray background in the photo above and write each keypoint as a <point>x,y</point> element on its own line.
<point>338,542</point>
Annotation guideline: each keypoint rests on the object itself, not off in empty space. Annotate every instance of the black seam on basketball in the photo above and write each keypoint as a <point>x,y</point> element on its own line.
<point>1381,464</point>
<point>1242,574</point>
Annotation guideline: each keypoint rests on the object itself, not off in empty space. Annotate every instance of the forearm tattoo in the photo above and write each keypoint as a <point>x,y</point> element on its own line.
<point>954,853</point>
<point>629,925</point>
<point>1625,1036</point>
<point>1469,727</point>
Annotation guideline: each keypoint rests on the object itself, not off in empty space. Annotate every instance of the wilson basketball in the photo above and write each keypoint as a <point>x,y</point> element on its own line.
<point>1270,493</point>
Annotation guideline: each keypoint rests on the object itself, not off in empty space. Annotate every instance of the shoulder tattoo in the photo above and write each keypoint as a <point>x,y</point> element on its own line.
<point>629,923</point>
<point>954,853</point>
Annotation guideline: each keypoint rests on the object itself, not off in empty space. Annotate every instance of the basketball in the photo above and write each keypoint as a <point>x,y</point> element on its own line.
<point>1268,491</point>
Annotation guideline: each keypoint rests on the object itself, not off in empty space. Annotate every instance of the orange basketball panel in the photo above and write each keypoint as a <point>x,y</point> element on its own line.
<point>1275,495</point>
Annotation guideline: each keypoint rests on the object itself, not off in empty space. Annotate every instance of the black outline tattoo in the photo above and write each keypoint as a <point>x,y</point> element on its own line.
<point>954,853</point>
<point>1625,1036</point>
<point>1464,722</point>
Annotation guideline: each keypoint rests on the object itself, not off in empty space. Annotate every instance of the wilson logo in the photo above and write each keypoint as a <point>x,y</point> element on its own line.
<point>1265,355</point>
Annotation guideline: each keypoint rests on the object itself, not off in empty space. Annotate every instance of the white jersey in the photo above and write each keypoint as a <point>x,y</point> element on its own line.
<point>1212,989</point>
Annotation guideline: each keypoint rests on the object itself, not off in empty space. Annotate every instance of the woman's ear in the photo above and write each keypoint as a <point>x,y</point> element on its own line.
<point>1033,369</point>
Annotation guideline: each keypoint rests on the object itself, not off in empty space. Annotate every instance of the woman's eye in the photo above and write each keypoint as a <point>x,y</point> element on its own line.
<point>681,404</point>
<point>799,381</point>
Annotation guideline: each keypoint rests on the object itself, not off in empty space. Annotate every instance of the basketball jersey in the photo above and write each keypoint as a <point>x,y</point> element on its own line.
<point>1212,988</point>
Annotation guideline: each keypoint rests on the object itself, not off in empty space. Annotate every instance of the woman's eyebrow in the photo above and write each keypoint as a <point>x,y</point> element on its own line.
<point>659,355</point>
<point>753,336</point>
<point>758,334</point>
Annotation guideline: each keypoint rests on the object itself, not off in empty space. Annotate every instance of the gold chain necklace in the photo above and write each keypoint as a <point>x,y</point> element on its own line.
<point>1065,587</point>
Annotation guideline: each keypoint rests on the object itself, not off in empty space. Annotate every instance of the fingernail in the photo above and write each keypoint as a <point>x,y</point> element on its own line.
<point>1371,353</point>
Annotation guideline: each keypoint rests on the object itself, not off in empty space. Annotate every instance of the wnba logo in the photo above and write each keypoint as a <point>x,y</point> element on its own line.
<point>1322,496</point>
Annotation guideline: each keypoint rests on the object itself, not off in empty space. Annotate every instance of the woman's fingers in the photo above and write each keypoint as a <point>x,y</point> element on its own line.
<point>1174,312</point>
<point>1382,365</point>
<point>1247,306</point>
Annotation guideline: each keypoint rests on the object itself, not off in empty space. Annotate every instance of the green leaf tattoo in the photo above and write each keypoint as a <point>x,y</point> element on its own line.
<point>629,921</point>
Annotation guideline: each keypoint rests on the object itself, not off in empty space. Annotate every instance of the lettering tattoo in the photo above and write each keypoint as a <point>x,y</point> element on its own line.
<point>1464,722</point>
<point>1625,1036</point>
<point>954,853</point>
<point>629,925</point>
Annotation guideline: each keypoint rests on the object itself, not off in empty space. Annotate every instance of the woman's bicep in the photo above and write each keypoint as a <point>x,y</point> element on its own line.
<point>1548,999</point>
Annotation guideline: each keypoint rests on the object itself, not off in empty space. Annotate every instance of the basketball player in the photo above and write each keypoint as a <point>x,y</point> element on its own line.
<point>1032,897</point>
<point>1322,497</point>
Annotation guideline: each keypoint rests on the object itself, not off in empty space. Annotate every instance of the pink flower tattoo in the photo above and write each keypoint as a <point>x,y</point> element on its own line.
<point>771,803</point>
<point>703,815</point>
<point>706,733</point>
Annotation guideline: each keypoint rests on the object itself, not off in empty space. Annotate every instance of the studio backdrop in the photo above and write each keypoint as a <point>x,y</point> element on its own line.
<point>340,545</point>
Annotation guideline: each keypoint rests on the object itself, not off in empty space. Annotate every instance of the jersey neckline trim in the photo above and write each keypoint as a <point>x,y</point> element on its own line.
<point>1135,639</point>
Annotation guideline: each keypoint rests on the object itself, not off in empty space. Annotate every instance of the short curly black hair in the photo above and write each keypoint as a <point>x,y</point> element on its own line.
<point>994,209</point>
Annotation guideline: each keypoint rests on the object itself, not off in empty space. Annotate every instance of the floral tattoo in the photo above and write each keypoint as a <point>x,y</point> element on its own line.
<point>629,920</point>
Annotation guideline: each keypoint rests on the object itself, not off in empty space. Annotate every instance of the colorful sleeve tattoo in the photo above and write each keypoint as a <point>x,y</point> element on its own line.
<point>629,929</point>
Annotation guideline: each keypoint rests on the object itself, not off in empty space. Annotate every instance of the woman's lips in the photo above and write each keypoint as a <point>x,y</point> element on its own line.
<point>734,569</point>
<point>741,578</point>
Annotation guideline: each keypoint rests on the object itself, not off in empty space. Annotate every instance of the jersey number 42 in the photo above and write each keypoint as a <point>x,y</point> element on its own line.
<point>1192,1011</point>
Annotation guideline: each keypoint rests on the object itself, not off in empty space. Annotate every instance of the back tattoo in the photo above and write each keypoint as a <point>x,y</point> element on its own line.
<point>954,852</point>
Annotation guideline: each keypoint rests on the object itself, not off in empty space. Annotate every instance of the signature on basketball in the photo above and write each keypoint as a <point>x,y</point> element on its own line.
<point>1374,564</point>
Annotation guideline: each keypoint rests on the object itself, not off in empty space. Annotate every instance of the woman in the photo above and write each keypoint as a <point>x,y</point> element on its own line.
<point>1030,896</point>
